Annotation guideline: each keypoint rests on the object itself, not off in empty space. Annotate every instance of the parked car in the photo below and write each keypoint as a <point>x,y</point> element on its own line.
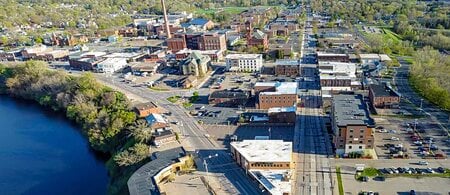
<point>392,131</point>
<point>382,131</point>
<point>430,170</point>
<point>423,163</point>
<point>440,170</point>
<point>395,139</point>
<point>418,143</point>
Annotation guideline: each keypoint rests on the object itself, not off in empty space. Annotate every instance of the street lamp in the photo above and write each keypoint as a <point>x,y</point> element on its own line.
<point>206,165</point>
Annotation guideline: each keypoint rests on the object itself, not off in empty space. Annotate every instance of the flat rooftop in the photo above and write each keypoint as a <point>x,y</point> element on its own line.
<point>350,110</point>
<point>264,150</point>
<point>382,90</point>
<point>280,87</point>
<point>287,62</point>
<point>282,109</point>
<point>243,56</point>
<point>330,54</point>
<point>273,180</point>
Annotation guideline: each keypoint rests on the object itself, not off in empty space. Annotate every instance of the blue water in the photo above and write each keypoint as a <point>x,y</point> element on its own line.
<point>43,153</point>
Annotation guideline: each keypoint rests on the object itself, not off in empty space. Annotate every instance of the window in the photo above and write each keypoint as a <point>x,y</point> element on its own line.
<point>369,140</point>
<point>360,147</point>
<point>351,136</point>
<point>349,147</point>
<point>351,130</point>
<point>350,142</point>
<point>361,142</point>
<point>361,136</point>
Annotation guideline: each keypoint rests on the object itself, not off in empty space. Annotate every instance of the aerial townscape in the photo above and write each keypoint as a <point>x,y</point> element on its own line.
<point>270,97</point>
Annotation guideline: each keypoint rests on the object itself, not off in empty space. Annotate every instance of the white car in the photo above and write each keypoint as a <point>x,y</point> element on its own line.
<point>395,139</point>
<point>382,131</point>
<point>423,163</point>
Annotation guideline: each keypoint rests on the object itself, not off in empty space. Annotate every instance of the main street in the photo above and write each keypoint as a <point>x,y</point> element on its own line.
<point>311,143</point>
<point>194,134</point>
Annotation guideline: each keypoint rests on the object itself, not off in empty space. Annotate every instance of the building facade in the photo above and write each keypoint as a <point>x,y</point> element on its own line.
<point>351,124</point>
<point>213,41</point>
<point>195,64</point>
<point>289,68</point>
<point>276,94</point>
<point>243,62</point>
<point>383,96</point>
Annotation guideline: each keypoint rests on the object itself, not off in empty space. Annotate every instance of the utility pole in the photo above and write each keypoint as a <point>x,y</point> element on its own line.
<point>166,21</point>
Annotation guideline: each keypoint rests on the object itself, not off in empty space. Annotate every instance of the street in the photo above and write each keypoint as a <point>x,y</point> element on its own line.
<point>194,135</point>
<point>311,143</point>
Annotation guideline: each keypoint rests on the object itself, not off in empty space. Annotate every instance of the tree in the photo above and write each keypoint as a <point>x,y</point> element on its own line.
<point>140,131</point>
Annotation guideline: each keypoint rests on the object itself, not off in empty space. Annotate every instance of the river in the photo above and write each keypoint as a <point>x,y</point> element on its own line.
<point>43,153</point>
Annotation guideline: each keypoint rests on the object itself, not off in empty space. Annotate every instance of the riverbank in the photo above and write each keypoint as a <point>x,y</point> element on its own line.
<point>103,115</point>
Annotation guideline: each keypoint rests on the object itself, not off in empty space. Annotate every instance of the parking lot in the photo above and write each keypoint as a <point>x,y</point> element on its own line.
<point>394,184</point>
<point>393,135</point>
<point>223,133</point>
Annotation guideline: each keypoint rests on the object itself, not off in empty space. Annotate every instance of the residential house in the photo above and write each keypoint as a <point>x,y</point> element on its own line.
<point>156,121</point>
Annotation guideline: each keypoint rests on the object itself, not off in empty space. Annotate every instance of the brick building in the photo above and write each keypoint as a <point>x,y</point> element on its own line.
<point>256,38</point>
<point>212,41</point>
<point>351,124</point>
<point>145,109</point>
<point>283,115</point>
<point>276,94</point>
<point>383,96</point>
<point>288,68</point>
<point>177,42</point>
<point>230,98</point>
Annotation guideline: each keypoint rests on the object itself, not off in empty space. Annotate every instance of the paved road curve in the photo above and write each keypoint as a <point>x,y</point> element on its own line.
<point>194,133</point>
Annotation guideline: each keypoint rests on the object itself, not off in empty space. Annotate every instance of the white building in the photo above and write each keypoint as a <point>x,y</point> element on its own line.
<point>243,62</point>
<point>111,65</point>
<point>268,161</point>
<point>369,59</point>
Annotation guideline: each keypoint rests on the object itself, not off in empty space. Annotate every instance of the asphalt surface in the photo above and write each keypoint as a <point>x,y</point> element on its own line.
<point>193,132</point>
<point>436,114</point>
<point>311,143</point>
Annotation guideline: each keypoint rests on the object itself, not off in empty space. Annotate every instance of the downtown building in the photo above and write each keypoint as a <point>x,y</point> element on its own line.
<point>351,125</point>
<point>269,162</point>
<point>244,62</point>
<point>286,67</point>
<point>276,94</point>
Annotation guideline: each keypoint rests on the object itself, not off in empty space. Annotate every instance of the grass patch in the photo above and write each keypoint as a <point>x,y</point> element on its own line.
<point>158,89</point>
<point>393,36</point>
<point>370,172</point>
<point>187,104</point>
<point>173,99</point>
<point>339,179</point>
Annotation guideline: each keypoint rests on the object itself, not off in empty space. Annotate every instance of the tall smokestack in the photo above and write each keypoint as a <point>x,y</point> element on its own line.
<point>166,21</point>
